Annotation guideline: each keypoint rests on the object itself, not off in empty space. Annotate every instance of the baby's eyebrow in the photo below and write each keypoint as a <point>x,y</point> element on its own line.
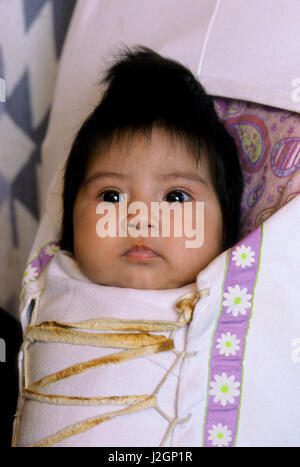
<point>98,175</point>
<point>187,175</point>
<point>173,175</point>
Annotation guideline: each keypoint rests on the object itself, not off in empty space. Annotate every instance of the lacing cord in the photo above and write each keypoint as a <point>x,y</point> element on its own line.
<point>137,341</point>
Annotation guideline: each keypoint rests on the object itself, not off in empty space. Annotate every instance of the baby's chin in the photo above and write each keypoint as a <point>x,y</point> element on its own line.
<point>139,282</point>
<point>135,279</point>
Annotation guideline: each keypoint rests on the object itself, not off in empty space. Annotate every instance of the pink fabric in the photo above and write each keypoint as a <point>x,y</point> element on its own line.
<point>252,52</point>
<point>268,141</point>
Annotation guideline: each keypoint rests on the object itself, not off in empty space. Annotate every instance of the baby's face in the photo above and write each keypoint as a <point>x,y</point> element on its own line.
<point>142,171</point>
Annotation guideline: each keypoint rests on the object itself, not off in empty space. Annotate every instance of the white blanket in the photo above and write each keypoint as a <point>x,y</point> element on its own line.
<point>240,388</point>
<point>69,296</point>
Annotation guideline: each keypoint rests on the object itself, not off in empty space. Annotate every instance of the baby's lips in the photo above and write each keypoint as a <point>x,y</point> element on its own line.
<point>141,250</point>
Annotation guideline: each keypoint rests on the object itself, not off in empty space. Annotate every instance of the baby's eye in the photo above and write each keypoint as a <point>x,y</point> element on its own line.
<point>177,195</point>
<point>110,196</point>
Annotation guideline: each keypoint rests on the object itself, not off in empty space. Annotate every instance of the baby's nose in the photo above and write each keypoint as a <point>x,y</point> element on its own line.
<point>141,221</point>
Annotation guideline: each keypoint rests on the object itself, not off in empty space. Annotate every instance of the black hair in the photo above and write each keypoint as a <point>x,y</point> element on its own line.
<point>145,90</point>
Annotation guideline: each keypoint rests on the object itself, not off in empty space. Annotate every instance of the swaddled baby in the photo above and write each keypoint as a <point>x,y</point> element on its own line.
<point>153,143</point>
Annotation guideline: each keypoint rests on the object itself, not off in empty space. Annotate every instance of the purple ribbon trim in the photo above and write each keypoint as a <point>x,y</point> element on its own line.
<point>36,266</point>
<point>227,352</point>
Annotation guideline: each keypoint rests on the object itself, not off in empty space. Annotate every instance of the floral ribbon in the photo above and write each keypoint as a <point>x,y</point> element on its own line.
<point>229,342</point>
<point>36,265</point>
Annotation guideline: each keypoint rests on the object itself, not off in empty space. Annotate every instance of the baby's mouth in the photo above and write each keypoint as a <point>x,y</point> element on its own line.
<point>141,252</point>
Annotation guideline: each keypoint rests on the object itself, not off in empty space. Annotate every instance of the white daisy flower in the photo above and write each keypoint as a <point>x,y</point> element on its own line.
<point>243,256</point>
<point>50,250</point>
<point>219,435</point>
<point>30,274</point>
<point>224,388</point>
<point>228,344</point>
<point>237,300</point>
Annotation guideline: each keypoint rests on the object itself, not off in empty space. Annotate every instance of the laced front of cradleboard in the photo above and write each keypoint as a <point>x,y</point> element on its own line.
<point>133,336</point>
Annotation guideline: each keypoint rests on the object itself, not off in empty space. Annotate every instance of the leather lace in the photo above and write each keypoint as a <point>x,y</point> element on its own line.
<point>136,340</point>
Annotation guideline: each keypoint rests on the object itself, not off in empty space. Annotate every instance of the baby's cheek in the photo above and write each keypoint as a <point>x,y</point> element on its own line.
<point>186,263</point>
<point>85,239</point>
<point>110,221</point>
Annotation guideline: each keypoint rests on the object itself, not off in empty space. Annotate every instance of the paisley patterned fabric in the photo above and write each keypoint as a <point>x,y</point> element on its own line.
<point>268,141</point>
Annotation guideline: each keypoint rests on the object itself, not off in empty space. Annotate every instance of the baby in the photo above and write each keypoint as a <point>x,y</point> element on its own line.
<point>154,137</point>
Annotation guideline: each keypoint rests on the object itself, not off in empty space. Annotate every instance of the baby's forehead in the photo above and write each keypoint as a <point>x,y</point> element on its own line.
<point>156,147</point>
